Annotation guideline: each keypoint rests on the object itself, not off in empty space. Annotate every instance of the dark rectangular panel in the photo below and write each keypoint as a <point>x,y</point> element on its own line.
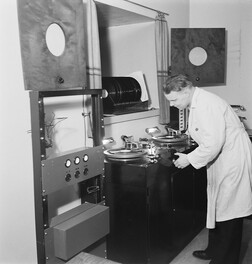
<point>42,70</point>
<point>62,171</point>
<point>199,53</point>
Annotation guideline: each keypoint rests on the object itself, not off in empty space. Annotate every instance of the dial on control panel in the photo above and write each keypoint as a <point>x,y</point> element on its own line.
<point>77,160</point>
<point>77,174</point>
<point>85,158</point>
<point>68,163</point>
<point>68,177</point>
<point>85,172</point>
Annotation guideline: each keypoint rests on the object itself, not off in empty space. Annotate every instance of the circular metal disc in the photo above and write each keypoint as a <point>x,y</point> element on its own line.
<point>124,153</point>
<point>170,139</point>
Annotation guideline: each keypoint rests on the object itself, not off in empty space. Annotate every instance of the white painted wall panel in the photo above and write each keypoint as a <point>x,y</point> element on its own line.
<point>235,16</point>
<point>17,223</point>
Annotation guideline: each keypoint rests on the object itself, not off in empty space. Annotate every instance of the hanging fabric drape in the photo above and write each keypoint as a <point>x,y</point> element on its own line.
<point>93,48</point>
<point>162,54</point>
<point>93,59</point>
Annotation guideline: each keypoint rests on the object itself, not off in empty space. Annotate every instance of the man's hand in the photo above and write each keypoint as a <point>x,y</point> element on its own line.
<point>181,162</point>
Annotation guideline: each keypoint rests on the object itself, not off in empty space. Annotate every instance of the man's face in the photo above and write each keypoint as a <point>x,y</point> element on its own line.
<point>180,99</point>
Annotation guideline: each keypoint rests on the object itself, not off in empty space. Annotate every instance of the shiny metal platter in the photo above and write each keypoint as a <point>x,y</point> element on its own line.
<point>124,153</point>
<point>170,139</point>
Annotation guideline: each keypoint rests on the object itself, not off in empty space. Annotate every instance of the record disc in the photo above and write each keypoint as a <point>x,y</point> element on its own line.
<point>124,153</point>
<point>170,139</point>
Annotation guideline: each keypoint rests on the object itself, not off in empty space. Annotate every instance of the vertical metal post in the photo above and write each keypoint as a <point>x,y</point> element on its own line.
<point>98,121</point>
<point>38,135</point>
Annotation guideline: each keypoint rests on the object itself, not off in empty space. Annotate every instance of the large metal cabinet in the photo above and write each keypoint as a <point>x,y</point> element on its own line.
<point>155,210</point>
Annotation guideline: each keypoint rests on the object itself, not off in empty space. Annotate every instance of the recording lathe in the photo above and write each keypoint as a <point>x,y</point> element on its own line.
<point>153,148</point>
<point>155,208</point>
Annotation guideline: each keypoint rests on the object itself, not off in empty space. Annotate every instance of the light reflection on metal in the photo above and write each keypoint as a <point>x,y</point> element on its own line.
<point>108,140</point>
<point>152,130</point>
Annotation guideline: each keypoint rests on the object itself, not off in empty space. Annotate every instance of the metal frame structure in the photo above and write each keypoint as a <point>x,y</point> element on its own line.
<point>39,151</point>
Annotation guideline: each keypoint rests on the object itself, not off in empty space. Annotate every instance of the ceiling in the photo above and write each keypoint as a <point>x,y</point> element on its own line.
<point>110,16</point>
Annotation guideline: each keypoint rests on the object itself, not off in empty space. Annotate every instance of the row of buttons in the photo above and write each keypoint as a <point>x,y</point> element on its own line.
<point>68,177</point>
<point>76,161</point>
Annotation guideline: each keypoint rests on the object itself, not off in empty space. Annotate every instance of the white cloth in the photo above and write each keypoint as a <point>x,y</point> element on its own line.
<point>226,150</point>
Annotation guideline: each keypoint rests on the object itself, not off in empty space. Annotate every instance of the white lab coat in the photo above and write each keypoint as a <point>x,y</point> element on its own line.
<point>226,150</point>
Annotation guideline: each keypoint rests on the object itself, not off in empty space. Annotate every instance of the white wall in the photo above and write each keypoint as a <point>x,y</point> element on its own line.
<point>133,49</point>
<point>235,16</point>
<point>17,227</point>
<point>246,58</point>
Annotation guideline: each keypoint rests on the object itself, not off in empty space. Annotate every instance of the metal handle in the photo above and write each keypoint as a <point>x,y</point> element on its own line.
<point>93,189</point>
<point>172,131</point>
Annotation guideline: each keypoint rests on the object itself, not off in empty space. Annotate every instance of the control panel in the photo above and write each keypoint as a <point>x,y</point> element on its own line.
<point>70,168</point>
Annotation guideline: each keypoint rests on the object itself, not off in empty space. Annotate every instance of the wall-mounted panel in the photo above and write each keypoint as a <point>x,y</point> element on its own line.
<point>199,53</point>
<point>52,44</point>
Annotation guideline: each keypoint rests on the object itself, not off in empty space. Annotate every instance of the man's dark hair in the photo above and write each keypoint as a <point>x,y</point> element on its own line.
<point>176,83</point>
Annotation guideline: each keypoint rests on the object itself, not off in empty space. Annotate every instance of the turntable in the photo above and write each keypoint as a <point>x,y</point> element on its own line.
<point>122,154</point>
<point>170,138</point>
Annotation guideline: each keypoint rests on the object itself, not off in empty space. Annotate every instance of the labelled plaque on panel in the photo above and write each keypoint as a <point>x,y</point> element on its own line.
<point>52,44</point>
<point>199,53</point>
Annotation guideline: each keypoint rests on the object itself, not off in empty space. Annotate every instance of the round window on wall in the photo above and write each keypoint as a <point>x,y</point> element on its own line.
<point>55,39</point>
<point>197,56</point>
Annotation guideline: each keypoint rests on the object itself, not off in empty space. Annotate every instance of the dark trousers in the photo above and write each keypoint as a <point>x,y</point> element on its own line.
<point>224,242</point>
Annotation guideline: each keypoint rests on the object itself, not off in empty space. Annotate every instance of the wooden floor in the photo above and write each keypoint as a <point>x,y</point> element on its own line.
<point>185,257</point>
<point>89,259</point>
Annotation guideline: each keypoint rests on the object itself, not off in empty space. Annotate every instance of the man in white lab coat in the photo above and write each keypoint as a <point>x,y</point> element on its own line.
<point>225,149</point>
